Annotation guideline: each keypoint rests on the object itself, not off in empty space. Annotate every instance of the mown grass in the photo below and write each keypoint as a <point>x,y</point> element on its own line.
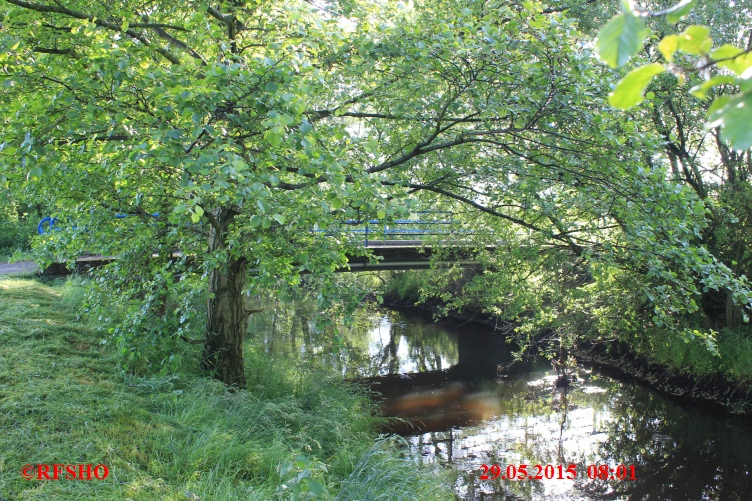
<point>177,437</point>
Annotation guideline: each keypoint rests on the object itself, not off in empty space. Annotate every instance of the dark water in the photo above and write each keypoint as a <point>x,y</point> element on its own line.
<point>464,402</point>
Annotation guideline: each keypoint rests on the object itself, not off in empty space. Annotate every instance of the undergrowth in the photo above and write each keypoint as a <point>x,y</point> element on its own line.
<point>733,360</point>
<point>15,236</point>
<point>292,435</point>
<point>403,288</point>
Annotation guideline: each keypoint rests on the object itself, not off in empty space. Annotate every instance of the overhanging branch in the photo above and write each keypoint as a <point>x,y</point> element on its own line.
<point>59,9</point>
<point>59,52</point>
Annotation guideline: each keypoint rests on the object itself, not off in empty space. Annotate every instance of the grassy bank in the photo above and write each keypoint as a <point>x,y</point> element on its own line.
<point>63,400</point>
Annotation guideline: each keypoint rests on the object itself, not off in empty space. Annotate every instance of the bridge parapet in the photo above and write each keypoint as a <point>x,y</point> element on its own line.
<point>375,232</point>
<point>403,244</point>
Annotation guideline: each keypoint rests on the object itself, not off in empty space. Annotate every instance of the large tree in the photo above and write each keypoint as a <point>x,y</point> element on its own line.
<point>245,125</point>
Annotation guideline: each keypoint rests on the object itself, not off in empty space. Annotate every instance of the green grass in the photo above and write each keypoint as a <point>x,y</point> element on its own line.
<point>63,400</point>
<point>15,256</point>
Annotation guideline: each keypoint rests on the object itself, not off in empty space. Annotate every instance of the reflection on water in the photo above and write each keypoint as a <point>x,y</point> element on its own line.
<point>464,403</point>
<point>376,343</point>
<point>678,453</point>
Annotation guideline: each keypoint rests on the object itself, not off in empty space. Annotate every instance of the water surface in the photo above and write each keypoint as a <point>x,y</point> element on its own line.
<point>464,402</point>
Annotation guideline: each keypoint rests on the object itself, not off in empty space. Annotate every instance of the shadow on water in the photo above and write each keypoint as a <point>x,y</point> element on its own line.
<point>462,401</point>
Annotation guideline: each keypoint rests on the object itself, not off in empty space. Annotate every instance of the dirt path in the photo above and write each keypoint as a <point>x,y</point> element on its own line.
<point>21,267</point>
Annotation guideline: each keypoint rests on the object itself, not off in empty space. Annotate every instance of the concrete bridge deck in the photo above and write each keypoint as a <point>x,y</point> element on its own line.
<point>388,255</point>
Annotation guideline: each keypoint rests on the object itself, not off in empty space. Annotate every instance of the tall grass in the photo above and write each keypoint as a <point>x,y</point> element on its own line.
<point>292,435</point>
<point>381,475</point>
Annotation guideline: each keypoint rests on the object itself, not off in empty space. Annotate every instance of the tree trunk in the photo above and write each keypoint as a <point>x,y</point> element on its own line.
<point>733,312</point>
<point>733,315</point>
<point>227,315</point>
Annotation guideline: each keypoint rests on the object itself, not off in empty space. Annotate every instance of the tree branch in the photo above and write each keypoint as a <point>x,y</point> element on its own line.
<point>114,137</point>
<point>159,26</point>
<point>472,203</point>
<point>158,29</point>
<point>93,19</point>
<point>212,220</point>
<point>59,52</point>
<point>420,149</point>
<point>215,13</point>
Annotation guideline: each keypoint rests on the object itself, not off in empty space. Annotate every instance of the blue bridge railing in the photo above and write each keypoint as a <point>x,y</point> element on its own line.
<point>399,229</point>
<point>48,224</point>
<point>371,230</point>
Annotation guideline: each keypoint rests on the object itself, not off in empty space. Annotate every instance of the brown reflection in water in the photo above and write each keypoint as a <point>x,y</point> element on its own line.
<point>439,400</point>
<point>431,402</point>
<point>439,410</point>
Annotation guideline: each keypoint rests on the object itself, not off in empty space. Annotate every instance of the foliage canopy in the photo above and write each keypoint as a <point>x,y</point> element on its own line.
<point>230,130</point>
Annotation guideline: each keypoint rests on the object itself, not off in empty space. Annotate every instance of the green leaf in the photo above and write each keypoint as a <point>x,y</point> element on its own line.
<point>619,39</point>
<point>725,51</point>
<point>274,137</point>
<point>700,91</point>
<point>35,173</point>
<point>381,213</point>
<point>746,84</point>
<point>718,104</point>
<point>262,205</point>
<point>279,218</point>
<point>668,47</point>
<point>738,64</point>
<point>255,220</point>
<point>629,91</point>
<point>679,10</point>
<point>695,40</point>
<point>305,127</point>
<point>316,488</point>
<point>734,118</point>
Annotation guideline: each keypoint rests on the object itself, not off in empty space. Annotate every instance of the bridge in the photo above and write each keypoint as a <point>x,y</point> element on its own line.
<point>404,244</point>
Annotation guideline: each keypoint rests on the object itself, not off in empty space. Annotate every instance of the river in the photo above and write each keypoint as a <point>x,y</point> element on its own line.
<point>464,402</point>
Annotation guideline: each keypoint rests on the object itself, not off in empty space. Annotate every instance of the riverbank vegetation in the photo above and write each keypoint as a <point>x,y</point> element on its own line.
<point>249,158</point>
<point>727,368</point>
<point>294,434</point>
